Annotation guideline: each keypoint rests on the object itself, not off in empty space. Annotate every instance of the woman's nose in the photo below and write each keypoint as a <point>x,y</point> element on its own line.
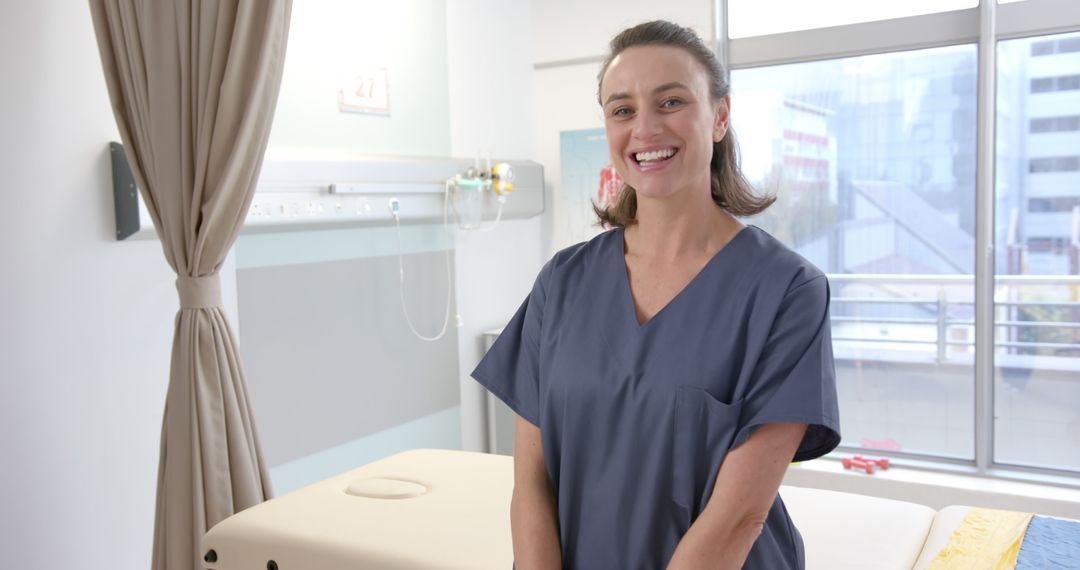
<point>647,123</point>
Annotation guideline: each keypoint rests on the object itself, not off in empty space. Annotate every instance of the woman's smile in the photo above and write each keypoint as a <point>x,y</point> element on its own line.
<point>650,159</point>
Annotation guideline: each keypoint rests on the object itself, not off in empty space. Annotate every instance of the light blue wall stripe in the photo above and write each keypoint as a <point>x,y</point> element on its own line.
<point>441,430</point>
<point>337,244</point>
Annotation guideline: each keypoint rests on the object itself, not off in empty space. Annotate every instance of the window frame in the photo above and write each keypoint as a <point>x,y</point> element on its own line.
<point>984,26</point>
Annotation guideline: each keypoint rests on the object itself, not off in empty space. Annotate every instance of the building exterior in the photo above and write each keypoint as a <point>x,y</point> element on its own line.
<point>1039,155</point>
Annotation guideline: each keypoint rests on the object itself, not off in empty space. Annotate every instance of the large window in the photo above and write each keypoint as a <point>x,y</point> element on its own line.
<point>1037,284</point>
<point>872,160</point>
<point>872,135</point>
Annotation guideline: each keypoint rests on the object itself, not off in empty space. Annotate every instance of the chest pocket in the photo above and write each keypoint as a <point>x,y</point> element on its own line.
<point>704,430</point>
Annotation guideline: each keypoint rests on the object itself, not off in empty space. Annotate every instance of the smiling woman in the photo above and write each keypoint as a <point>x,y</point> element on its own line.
<point>694,102</point>
<point>650,128</point>
<point>666,372</point>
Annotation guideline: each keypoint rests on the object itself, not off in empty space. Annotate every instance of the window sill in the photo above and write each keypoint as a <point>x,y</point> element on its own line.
<point>938,485</point>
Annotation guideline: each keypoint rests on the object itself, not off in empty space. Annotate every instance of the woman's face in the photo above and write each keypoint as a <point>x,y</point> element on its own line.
<point>661,121</point>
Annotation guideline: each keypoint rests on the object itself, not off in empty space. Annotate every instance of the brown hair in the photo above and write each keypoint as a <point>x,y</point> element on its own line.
<point>730,189</point>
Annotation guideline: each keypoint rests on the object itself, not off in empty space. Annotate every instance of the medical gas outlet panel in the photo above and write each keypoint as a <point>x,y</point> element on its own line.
<point>351,191</point>
<point>299,207</point>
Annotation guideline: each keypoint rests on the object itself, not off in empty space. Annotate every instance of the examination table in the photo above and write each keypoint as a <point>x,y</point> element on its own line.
<point>442,509</point>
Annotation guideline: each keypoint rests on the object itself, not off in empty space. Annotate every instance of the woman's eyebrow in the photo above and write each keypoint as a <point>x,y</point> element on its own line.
<point>665,87</point>
<point>668,86</point>
<point>617,96</point>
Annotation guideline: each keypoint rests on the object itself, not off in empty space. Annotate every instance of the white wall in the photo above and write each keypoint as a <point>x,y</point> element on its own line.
<point>87,326</point>
<point>491,111</point>
<point>328,37</point>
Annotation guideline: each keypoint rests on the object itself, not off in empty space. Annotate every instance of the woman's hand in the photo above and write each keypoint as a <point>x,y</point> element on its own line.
<point>533,511</point>
<point>746,486</point>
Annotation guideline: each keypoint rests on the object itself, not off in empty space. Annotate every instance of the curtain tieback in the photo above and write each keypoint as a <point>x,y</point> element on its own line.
<point>199,292</point>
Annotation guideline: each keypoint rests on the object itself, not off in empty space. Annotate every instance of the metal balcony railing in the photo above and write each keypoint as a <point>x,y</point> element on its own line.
<point>931,317</point>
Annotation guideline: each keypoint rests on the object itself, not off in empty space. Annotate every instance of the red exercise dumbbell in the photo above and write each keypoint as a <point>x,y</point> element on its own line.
<point>882,462</point>
<point>856,463</point>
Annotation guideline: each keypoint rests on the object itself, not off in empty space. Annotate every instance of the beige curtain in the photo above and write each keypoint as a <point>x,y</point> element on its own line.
<point>193,87</point>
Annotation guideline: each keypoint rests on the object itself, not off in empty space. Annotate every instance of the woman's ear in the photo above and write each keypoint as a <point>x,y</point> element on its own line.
<point>723,116</point>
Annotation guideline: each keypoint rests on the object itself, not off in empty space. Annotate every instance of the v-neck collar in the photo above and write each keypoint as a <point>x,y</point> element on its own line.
<point>628,304</point>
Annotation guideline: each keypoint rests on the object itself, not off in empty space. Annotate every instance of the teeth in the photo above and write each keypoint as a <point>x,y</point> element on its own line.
<point>654,155</point>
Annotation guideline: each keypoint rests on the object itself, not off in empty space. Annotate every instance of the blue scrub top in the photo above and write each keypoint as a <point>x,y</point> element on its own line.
<point>636,419</point>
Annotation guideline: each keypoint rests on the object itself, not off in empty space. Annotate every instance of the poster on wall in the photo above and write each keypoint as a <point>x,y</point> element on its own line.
<point>364,90</point>
<point>587,177</point>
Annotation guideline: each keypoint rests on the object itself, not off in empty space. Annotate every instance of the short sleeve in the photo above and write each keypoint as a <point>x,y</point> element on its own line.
<point>511,367</point>
<point>794,380</point>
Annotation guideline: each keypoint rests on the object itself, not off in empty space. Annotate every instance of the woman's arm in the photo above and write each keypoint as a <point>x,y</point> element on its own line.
<point>533,518</point>
<point>746,487</point>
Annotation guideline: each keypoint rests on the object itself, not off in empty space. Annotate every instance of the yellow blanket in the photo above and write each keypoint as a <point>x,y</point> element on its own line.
<point>987,539</point>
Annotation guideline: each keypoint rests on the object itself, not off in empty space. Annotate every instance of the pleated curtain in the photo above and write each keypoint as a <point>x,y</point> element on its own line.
<point>193,87</point>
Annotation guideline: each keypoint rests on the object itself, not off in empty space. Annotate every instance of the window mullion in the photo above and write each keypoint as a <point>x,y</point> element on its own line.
<point>984,238</point>
<point>721,40</point>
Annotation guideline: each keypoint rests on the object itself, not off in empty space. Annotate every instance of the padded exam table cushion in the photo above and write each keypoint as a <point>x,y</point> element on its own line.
<point>947,521</point>
<point>418,509</point>
<point>847,531</point>
<point>433,509</point>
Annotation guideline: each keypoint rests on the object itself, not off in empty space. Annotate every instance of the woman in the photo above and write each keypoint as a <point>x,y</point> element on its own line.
<point>667,371</point>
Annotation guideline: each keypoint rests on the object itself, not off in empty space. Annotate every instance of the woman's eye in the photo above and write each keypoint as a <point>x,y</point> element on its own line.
<point>671,103</point>
<point>621,112</point>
